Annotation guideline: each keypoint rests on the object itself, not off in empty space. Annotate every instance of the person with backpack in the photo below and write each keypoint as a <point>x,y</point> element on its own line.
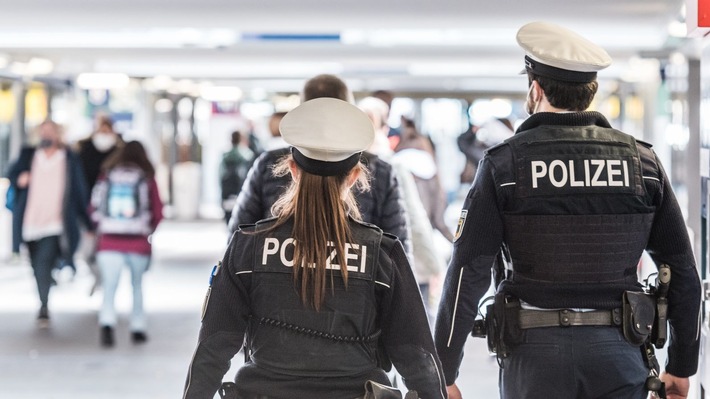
<point>126,207</point>
<point>233,171</point>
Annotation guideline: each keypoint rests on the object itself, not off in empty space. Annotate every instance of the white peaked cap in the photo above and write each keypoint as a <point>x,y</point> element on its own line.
<point>559,53</point>
<point>327,129</point>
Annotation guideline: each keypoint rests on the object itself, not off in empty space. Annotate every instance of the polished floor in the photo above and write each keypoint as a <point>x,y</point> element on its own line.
<point>65,361</point>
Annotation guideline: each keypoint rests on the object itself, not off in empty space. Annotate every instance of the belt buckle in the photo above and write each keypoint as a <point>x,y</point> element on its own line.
<point>565,320</point>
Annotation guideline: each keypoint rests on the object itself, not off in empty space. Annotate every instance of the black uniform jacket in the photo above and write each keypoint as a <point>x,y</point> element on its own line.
<point>576,203</point>
<point>297,352</point>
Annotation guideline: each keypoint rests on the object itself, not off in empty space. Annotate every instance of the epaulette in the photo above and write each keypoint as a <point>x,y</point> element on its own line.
<point>244,226</point>
<point>365,224</point>
<point>644,143</point>
<point>495,147</point>
<point>390,235</point>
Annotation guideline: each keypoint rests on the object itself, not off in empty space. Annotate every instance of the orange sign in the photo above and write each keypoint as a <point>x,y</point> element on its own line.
<point>704,13</point>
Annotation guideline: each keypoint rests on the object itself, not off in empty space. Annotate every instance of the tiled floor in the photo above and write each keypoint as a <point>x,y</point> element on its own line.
<point>66,362</point>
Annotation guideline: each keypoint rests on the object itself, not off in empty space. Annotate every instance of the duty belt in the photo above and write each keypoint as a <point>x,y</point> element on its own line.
<point>565,318</point>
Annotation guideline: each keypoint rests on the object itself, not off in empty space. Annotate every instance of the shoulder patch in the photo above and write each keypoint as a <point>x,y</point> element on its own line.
<point>460,224</point>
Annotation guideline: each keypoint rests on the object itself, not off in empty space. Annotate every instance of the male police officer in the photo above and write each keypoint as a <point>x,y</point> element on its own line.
<point>574,203</point>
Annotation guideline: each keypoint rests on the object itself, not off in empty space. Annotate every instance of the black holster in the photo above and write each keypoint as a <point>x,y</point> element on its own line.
<point>639,313</point>
<point>503,325</point>
<point>374,390</point>
<point>228,390</point>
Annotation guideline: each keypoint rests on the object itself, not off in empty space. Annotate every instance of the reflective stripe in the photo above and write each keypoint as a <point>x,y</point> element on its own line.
<point>189,373</point>
<point>507,184</point>
<point>651,178</point>
<point>380,283</point>
<point>245,271</point>
<point>456,304</point>
<point>438,374</point>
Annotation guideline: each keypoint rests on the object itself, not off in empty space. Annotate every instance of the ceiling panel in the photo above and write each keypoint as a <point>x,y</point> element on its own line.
<point>367,40</point>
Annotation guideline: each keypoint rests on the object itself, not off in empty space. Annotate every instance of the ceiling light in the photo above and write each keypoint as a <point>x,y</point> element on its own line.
<point>107,81</point>
<point>40,66</point>
<point>221,93</point>
<point>678,29</point>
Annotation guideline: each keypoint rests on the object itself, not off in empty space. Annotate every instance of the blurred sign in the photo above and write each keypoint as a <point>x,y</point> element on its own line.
<point>704,13</point>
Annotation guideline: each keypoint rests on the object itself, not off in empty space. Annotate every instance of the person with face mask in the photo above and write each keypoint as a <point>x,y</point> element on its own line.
<point>572,203</point>
<point>95,149</point>
<point>51,200</point>
<point>93,152</point>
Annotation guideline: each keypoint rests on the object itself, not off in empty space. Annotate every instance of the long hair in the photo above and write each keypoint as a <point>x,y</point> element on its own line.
<point>133,153</point>
<point>320,207</point>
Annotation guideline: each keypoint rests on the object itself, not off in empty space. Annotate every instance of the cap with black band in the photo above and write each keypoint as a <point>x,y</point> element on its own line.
<point>327,135</point>
<point>558,53</point>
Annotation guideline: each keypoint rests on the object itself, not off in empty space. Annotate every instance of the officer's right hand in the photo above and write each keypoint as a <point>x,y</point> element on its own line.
<point>676,387</point>
<point>452,391</point>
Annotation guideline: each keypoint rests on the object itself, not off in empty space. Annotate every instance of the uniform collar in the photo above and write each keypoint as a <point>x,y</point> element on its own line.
<point>586,118</point>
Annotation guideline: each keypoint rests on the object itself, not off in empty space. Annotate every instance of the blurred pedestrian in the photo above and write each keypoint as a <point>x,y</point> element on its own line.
<point>93,152</point>
<point>126,208</point>
<point>233,171</point>
<point>50,202</point>
<point>427,263</point>
<point>416,152</point>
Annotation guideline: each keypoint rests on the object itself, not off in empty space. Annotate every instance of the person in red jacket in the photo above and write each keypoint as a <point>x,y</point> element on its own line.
<point>126,208</point>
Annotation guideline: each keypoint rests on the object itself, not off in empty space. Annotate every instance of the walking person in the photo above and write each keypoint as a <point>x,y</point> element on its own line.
<point>322,298</point>
<point>574,203</point>
<point>93,152</point>
<point>127,209</point>
<point>233,171</point>
<point>50,202</point>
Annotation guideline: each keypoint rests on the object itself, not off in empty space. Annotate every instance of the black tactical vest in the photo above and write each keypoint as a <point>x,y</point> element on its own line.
<point>578,218</point>
<point>287,337</point>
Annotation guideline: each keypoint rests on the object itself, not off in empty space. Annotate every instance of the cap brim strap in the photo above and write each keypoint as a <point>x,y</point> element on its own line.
<point>563,75</point>
<point>324,168</point>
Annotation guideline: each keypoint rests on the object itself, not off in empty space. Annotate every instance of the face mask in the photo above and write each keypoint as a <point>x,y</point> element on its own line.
<point>46,143</point>
<point>530,106</point>
<point>103,142</point>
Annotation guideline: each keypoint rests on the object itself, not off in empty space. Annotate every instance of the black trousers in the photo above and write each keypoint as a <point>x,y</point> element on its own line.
<point>44,254</point>
<point>574,362</point>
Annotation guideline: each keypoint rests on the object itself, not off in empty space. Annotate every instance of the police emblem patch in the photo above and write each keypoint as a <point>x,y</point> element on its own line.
<point>204,304</point>
<point>459,227</point>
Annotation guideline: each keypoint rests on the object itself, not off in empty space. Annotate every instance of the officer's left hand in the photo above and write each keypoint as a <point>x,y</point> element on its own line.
<point>676,387</point>
<point>453,392</point>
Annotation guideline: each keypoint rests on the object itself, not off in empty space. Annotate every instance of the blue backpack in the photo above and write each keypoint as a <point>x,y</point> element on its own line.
<point>122,203</point>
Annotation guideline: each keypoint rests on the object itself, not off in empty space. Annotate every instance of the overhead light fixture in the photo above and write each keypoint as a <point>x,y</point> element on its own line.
<point>106,81</point>
<point>221,93</point>
<point>677,29</point>
<point>40,66</point>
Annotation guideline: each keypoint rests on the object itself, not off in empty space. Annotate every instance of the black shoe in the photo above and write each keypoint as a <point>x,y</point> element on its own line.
<point>43,317</point>
<point>107,336</point>
<point>138,337</point>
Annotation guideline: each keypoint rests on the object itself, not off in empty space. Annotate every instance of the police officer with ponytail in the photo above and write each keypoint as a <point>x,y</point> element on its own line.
<point>572,203</point>
<point>322,302</point>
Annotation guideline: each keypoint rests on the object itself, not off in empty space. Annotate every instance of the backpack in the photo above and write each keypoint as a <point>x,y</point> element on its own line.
<point>122,203</point>
<point>233,176</point>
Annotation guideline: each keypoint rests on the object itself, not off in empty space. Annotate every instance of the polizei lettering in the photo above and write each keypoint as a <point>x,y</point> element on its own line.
<point>580,173</point>
<point>355,254</point>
